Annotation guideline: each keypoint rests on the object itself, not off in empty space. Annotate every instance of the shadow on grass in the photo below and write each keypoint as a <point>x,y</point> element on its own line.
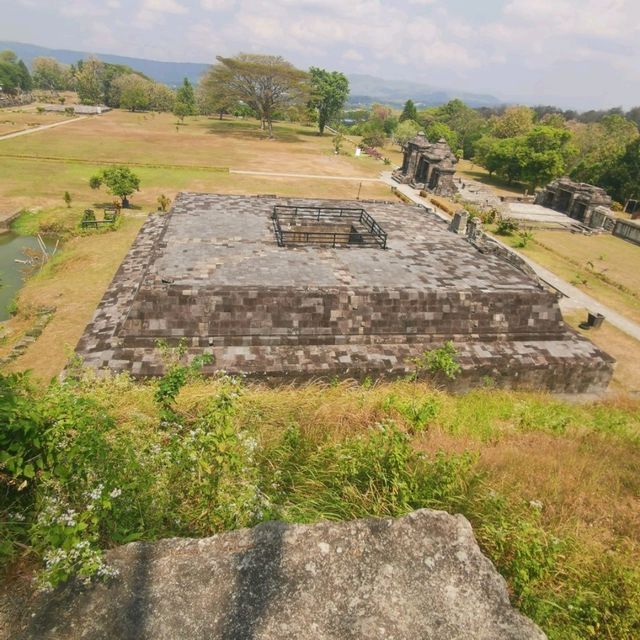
<point>250,130</point>
<point>109,205</point>
<point>494,181</point>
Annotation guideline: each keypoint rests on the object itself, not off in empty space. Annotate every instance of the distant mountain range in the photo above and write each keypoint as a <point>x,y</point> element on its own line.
<point>364,89</point>
<point>171,73</point>
<point>367,89</point>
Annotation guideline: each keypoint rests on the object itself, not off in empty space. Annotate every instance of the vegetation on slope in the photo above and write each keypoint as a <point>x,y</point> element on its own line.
<point>550,488</point>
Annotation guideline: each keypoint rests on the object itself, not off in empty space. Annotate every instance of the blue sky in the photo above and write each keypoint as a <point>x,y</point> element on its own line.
<point>569,52</point>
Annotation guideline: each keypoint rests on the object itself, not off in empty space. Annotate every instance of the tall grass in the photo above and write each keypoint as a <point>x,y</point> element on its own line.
<point>217,455</point>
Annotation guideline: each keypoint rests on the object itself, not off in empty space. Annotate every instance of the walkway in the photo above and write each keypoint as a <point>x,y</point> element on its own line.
<point>302,175</point>
<point>7,136</point>
<point>574,297</point>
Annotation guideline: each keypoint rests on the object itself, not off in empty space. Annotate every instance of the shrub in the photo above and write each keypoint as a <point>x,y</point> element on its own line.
<point>441,361</point>
<point>525,237</point>
<point>164,202</point>
<point>506,227</point>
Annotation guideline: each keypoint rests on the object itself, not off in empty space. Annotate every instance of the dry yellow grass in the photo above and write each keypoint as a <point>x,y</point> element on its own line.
<point>16,119</point>
<point>622,347</point>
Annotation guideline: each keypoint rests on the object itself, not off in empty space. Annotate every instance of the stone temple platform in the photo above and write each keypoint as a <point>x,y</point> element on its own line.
<point>295,289</point>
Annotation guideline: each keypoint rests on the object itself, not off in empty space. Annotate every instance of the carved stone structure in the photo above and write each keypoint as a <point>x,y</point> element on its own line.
<point>428,165</point>
<point>576,199</point>
<point>219,274</point>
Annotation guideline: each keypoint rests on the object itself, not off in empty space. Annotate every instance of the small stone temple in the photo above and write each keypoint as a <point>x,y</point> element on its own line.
<point>292,289</point>
<point>576,199</point>
<point>428,165</point>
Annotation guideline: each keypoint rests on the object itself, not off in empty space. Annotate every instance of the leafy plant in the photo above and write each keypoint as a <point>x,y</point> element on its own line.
<point>525,237</point>
<point>506,227</point>
<point>442,360</point>
<point>164,202</point>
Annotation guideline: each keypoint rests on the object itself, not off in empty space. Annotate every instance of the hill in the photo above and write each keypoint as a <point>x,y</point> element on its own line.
<point>365,89</point>
<point>171,73</point>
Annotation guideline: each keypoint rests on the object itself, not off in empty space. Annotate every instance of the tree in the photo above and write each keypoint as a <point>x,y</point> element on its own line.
<point>409,112</point>
<point>14,75</point>
<point>9,77</point>
<point>180,110</point>
<point>90,81</point>
<point>329,92</point>
<point>515,121</point>
<point>49,74</point>
<point>381,111</point>
<point>26,82</point>
<point>161,97</point>
<point>622,177</point>
<point>267,84</point>
<point>506,157</point>
<point>438,130</point>
<point>185,104</point>
<point>120,181</point>
<point>67,198</point>
<point>406,130</point>
<point>373,134</point>
<point>132,92</point>
<point>213,93</point>
<point>599,145</point>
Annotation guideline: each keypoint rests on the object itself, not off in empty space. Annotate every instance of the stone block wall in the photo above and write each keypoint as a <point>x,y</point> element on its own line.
<point>245,315</point>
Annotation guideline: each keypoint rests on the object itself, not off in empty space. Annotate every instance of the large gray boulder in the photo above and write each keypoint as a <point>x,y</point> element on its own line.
<point>417,577</point>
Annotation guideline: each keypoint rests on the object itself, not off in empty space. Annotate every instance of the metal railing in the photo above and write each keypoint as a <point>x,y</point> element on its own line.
<point>364,231</point>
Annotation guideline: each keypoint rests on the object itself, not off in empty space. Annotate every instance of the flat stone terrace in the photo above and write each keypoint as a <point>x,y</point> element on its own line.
<point>212,273</point>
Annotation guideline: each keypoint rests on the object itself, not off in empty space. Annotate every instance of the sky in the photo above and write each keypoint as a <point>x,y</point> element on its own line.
<point>573,53</point>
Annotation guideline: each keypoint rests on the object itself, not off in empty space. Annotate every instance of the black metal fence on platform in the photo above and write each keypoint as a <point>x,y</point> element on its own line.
<point>326,226</point>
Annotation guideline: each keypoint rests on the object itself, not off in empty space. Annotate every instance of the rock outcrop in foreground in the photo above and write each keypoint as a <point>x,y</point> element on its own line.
<point>421,576</point>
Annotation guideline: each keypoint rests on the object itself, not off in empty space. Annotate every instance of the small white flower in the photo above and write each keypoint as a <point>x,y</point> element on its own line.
<point>115,493</point>
<point>536,504</point>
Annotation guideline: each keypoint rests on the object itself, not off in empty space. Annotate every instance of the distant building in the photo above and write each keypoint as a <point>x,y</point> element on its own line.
<point>428,165</point>
<point>576,199</point>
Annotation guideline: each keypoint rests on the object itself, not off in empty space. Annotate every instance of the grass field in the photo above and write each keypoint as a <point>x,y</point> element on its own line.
<point>602,266</point>
<point>38,168</point>
<point>469,169</point>
<point>14,120</point>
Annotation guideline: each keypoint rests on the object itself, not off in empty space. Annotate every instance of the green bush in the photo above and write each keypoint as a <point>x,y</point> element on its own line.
<point>439,362</point>
<point>506,227</point>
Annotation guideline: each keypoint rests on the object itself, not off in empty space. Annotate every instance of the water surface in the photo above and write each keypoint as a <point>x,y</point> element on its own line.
<point>12,273</point>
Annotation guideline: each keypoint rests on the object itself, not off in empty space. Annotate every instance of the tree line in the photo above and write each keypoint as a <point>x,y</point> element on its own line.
<point>267,87</point>
<point>528,145</point>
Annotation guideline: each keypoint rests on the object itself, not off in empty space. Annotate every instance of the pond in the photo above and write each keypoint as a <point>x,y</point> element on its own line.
<point>13,274</point>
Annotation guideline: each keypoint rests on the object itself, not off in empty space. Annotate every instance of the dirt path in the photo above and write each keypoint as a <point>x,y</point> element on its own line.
<point>574,297</point>
<point>7,136</point>
<point>302,175</point>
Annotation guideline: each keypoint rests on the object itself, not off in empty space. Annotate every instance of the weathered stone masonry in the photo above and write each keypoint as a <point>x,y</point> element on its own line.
<point>212,273</point>
<point>428,165</point>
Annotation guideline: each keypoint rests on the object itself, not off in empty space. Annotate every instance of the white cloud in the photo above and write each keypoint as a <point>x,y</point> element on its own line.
<point>352,54</point>
<point>163,6</point>
<point>217,5</point>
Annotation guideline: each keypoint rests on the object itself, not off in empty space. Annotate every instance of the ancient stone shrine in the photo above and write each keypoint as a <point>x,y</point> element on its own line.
<point>295,289</point>
<point>577,199</point>
<point>428,165</point>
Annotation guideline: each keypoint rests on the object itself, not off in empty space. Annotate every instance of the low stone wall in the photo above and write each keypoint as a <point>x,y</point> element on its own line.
<point>628,230</point>
<point>7,101</point>
<point>245,315</point>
